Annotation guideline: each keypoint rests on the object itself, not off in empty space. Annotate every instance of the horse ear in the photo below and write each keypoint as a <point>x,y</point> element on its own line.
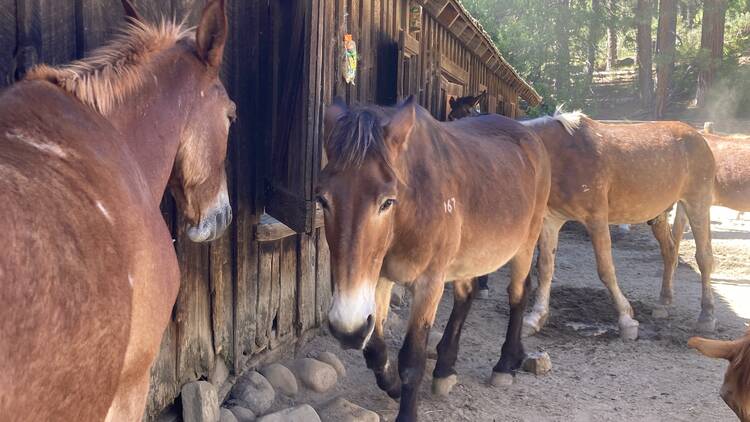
<point>714,348</point>
<point>452,102</point>
<point>479,97</point>
<point>131,12</point>
<point>333,113</point>
<point>401,124</point>
<point>211,36</point>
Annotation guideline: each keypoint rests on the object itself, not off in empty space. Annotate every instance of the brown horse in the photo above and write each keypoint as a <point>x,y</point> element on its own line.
<point>732,181</point>
<point>736,388</point>
<point>89,273</point>
<point>416,201</point>
<point>621,174</point>
<point>464,106</point>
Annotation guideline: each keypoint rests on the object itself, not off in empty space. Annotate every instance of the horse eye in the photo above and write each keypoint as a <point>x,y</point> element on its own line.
<point>387,204</point>
<point>322,201</point>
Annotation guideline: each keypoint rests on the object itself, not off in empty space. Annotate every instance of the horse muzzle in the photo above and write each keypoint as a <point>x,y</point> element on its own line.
<point>213,225</point>
<point>356,339</point>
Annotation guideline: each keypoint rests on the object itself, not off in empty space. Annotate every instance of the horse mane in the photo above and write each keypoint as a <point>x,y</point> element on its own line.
<point>740,365</point>
<point>358,134</point>
<point>112,72</point>
<point>571,121</point>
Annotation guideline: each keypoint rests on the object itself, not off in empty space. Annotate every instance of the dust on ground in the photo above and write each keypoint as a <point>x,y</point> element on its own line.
<point>595,376</point>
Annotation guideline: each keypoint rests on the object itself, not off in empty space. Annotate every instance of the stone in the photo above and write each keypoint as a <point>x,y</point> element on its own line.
<point>227,416</point>
<point>333,360</point>
<point>254,392</point>
<point>219,374</point>
<point>200,402</point>
<point>281,378</point>
<point>397,295</point>
<point>315,375</point>
<point>302,413</point>
<point>432,342</point>
<point>341,410</point>
<point>242,414</point>
<point>537,363</point>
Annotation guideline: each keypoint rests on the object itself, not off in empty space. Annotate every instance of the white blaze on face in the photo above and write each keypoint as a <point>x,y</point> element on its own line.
<point>350,310</point>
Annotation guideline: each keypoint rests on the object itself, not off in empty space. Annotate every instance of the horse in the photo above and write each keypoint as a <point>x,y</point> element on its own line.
<point>465,106</point>
<point>622,174</point>
<point>90,275</point>
<point>732,180</point>
<point>411,200</point>
<point>736,387</point>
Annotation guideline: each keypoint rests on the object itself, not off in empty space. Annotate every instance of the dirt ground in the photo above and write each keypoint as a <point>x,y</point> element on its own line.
<point>595,376</point>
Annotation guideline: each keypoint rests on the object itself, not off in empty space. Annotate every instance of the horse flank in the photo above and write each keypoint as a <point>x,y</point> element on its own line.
<point>112,72</point>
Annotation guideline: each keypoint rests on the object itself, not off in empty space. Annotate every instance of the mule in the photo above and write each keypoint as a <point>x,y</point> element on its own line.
<point>411,200</point>
<point>89,272</point>
<point>732,180</point>
<point>736,387</point>
<point>465,106</point>
<point>623,174</point>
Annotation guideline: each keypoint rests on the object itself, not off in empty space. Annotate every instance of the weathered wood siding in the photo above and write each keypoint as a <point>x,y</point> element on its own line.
<point>241,297</point>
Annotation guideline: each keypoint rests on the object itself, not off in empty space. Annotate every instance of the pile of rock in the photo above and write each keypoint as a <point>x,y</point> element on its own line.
<point>254,393</point>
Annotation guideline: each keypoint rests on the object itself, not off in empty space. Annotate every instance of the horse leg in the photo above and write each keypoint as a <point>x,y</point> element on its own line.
<point>678,227</point>
<point>129,402</point>
<point>512,354</point>
<point>444,376</point>
<point>376,351</point>
<point>660,228</point>
<point>599,233</point>
<point>699,216</point>
<point>413,354</point>
<point>548,238</point>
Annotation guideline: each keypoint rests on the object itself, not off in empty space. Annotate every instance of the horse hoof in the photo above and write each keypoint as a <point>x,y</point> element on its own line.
<point>706,325</point>
<point>628,328</point>
<point>442,386</point>
<point>532,324</point>
<point>660,312</point>
<point>483,294</point>
<point>501,379</point>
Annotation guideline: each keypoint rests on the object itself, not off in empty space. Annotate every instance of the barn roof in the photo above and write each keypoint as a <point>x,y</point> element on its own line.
<point>454,16</point>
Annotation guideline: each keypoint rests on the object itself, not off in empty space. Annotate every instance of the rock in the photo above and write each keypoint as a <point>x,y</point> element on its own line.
<point>333,360</point>
<point>200,402</point>
<point>227,416</point>
<point>242,414</point>
<point>253,391</point>
<point>397,295</point>
<point>281,378</point>
<point>219,374</point>
<point>537,363</point>
<point>340,410</point>
<point>303,413</point>
<point>315,375</point>
<point>432,343</point>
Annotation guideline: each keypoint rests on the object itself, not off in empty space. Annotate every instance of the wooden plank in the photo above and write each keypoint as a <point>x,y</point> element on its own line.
<point>98,21</point>
<point>272,324</point>
<point>163,377</point>
<point>453,70</point>
<point>222,294</point>
<point>195,351</point>
<point>288,293</point>
<point>190,10</point>
<point>306,274</point>
<point>265,282</point>
<point>8,38</point>
<point>323,286</point>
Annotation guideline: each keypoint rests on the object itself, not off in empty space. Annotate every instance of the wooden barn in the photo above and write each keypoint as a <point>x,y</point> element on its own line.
<point>265,286</point>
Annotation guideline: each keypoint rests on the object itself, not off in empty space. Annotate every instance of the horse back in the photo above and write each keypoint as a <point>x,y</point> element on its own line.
<point>67,272</point>
<point>732,184</point>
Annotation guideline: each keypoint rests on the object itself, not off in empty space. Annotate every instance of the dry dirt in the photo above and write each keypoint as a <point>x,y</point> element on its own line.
<point>595,376</point>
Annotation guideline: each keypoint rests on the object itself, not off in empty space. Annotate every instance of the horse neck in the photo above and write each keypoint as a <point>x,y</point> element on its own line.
<point>152,120</point>
<point>427,161</point>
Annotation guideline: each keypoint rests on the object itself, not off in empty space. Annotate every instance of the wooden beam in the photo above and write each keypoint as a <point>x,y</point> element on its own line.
<point>453,70</point>
<point>447,15</point>
<point>270,229</point>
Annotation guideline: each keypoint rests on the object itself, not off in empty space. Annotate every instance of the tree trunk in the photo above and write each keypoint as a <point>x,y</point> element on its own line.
<point>612,35</point>
<point>712,47</point>
<point>593,39</point>
<point>643,17</point>
<point>562,30</point>
<point>665,54</point>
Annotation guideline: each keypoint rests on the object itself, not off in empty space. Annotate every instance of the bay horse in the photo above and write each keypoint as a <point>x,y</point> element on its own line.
<point>411,200</point>
<point>465,106</point>
<point>732,180</point>
<point>89,273</point>
<point>605,174</point>
<point>736,387</point>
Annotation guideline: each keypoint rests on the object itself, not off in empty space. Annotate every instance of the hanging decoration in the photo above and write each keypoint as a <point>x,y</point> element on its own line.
<point>415,17</point>
<point>350,59</point>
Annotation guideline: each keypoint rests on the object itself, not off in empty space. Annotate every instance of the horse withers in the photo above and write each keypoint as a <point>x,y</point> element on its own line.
<point>412,200</point>
<point>89,273</point>
<point>624,173</point>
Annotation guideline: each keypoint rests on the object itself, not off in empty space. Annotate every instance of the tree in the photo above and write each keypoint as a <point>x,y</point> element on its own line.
<point>612,35</point>
<point>562,30</point>
<point>643,17</point>
<point>665,54</point>
<point>594,35</point>
<point>712,46</point>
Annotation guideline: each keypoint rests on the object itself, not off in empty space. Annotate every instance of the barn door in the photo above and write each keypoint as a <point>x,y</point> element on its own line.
<point>408,49</point>
<point>448,90</point>
<point>296,107</point>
